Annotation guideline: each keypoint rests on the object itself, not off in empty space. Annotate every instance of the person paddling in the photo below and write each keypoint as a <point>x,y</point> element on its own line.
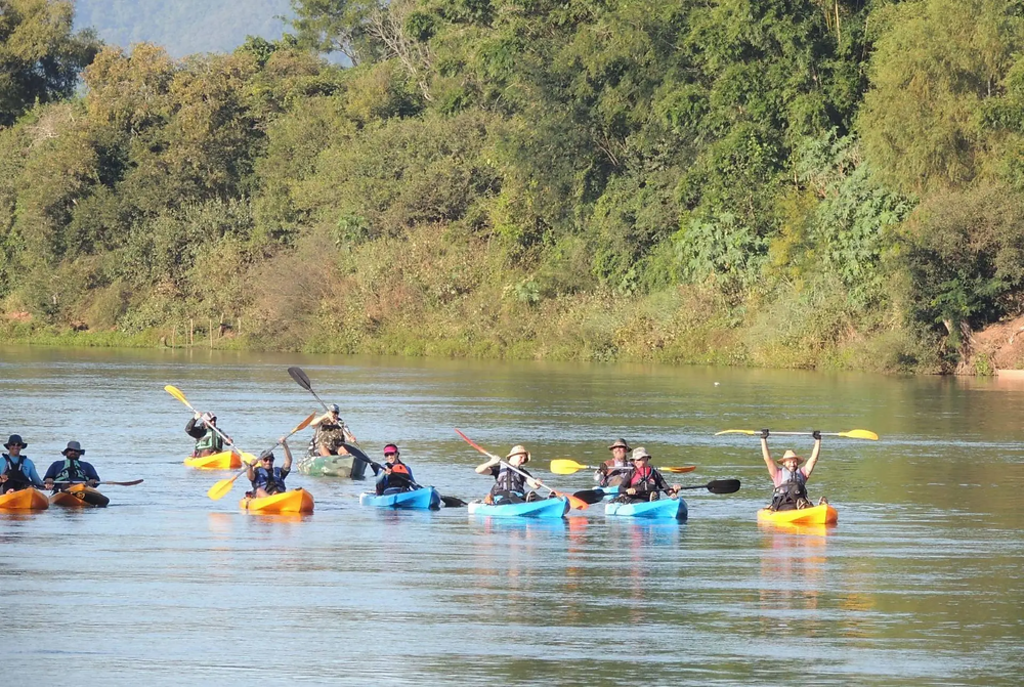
<point>610,473</point>
<point>266,479</point>
<point>208,442</point>
<point>331,433</point>
<point>396,475</point>
<point>72,469</point>
<point>789,479</point>
<point>17,471</point>
<point>643,482</point>
<point>509,485</point>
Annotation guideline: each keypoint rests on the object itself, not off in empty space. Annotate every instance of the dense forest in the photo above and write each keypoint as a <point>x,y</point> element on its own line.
<point>183,27</point>
<point>796,183</point>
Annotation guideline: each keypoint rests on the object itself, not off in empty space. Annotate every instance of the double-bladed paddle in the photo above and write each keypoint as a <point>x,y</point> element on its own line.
<point>449,501</point>
<point>221,488</point>
<point>302,379</point>
<point>717,486</point>
<point>176,392</point>
<point>566,466</point>
<point>119,484</point>
<point>573,501</point>
<point>851,434</point>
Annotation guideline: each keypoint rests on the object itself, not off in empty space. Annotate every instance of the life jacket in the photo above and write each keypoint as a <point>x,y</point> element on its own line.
<point>507,480</point>
<point>16,479</point>
<point>647,477</point>
<point>792,488</point>
<point>71,472</point>
<point>399,469</point>
<point>211,441</point>
<point>399,480</point>
<point>272,482</point>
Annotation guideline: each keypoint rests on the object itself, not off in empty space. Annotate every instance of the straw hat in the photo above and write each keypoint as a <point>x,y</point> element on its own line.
<point>519,450</point>
<point>788,455</point>
<point>620,443</point>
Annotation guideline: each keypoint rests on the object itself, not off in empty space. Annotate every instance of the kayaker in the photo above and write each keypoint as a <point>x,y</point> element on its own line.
<point>611,472</point>
<point>17,471</point>
<point>208,442</point>
<point>396,475</point>
<point>643,482</point>
<point>266,479</point>
<point>71,469</point>
<point>331,433</point>
<point>509,485</point>
<point>789,479</point>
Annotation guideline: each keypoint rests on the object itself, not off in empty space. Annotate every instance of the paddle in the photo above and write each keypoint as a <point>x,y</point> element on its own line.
<point>565,466</point>
<point>176,392</point>
<point>302,379</point>
<point>119,484</point>
<point>851,434</point>
<point>221,488</point>
<point>573,501</point>
<point>449,501</point>
<point>718,486</point>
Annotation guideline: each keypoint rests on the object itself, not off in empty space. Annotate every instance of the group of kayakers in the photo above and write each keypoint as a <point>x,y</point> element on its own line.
<point>19,472</point>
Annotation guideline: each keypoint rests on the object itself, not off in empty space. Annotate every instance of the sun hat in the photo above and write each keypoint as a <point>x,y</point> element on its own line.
<point>620,443</point>
<point>15,440</point>
<point>790,455</point>
<point>390,448</point>
<point>639,452</point>
<point>519,450</point>
<point>74,446</point>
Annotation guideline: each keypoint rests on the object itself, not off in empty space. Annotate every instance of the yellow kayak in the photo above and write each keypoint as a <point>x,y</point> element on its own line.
<point>24,499</point>
<point>815,515</point>
<point>79,496</point>
<point>295,501</point>
<point>225,460</point>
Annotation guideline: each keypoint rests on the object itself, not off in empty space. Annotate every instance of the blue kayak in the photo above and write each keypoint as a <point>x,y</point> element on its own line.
<point>545,508</point>
<point>663,508</point>
<point>423,498</point>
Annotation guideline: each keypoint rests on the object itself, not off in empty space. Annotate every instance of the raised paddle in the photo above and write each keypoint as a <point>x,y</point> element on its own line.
<point>851,434</point>
<point>573,501</point>
<point>176,392</point>
<point>565,466</point>
<point>221,488</point>
<point>449,501</point>
<point>718,486</point>
<point>302,379</point>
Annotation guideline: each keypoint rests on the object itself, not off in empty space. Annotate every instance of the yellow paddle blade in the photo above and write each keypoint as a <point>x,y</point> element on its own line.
<point>683,468</point>
<point>176,392</point>
<point>738,431</point>
<point>221,488</point>
<point>248,458</point>
<point>859,434</point>
<point>564,466</point>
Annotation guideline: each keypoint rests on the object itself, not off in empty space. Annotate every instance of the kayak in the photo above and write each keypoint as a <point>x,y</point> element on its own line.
<point>544,508</point>
<point>426,497</point>
<point>815,515</point>
<point>79,496</point>
<point>225,460</point>
<point>662,508</point>
<point>24,499</point>
<point>334,466</point>
<point>295,501</point>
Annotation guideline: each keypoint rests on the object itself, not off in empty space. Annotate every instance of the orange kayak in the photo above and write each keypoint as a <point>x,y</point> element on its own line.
<point>816,515</point>
<point>225,460</point>
<point>24,499</point>
<point>295,501</point>
<point>79,496</point>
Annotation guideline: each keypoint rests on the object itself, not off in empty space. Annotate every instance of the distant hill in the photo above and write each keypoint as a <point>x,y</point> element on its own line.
<point>183,26</point>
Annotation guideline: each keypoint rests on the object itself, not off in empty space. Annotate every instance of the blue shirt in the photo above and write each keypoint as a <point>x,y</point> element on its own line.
<point>56,467</point>
<point>28,468</point>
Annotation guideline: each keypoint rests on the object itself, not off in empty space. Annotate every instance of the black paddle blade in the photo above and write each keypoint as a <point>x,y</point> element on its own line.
<point>590,496</point>
<point>723,486</point>
<point>300,377</point>
<point>452,502</point>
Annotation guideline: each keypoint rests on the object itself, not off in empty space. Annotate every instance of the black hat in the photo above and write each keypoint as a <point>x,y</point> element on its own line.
<point>15,440</point>
<point>74,446</point>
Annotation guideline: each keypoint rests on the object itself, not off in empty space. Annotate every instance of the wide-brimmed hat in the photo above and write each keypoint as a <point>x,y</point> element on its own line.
<point>639,452</point>
<point>788,455</point>
<point>519,450</point>
<point>74,446</point>
<point>620,443</point>
<point>15,440</point>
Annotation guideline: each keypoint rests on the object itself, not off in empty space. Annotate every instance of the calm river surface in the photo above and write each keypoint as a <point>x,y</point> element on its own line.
<point>921,582</point>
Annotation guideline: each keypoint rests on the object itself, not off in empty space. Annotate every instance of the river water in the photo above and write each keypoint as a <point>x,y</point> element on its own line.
<point>920,583</point>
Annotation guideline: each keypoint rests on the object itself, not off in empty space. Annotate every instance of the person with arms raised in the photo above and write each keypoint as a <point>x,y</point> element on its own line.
<point>266,479</point>
<point>17,471</point>
<point>71,470</point>
<point>788,477</point>
<point>202,429</point>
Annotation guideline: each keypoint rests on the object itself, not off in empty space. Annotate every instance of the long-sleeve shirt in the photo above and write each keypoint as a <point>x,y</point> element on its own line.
<point>57,466</point>
<point>28,468</point>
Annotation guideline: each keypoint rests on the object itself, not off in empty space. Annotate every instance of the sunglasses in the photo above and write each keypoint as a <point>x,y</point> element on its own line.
<point>387,455</point>
<point>267,460</point>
